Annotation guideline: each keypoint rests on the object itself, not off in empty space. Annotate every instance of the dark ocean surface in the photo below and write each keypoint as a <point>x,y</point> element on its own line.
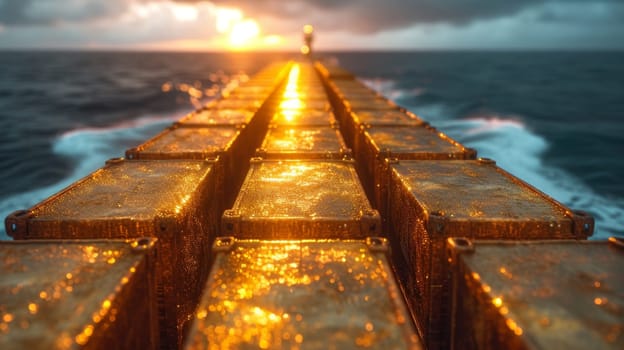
<point>554,119</point>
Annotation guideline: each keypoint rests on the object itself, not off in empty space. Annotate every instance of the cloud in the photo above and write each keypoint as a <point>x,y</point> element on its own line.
<point>52,12</point>
<point>354,16</point>
<point>370,16</point>
<point>367,23</point>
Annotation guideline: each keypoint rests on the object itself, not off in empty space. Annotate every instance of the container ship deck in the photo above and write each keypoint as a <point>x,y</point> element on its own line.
<point>302,210</point>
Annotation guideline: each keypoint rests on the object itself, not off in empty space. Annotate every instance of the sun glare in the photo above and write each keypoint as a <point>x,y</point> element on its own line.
<point>244,32</point>
<point>226,18</point>
<point>185,13</point>
<point>241,32</point>
<point>234,30</point>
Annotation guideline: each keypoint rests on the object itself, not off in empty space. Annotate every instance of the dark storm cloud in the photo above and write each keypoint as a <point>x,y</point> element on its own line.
<point>367,16</point>
<point>356,16</point>
<point>51,12</point>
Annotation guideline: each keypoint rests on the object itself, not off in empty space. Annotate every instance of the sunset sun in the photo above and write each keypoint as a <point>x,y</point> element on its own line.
<point>242,33</point>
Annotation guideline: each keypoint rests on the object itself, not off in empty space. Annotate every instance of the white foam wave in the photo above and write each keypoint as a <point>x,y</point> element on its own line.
<point>88,148</point>
<point>389,89</point>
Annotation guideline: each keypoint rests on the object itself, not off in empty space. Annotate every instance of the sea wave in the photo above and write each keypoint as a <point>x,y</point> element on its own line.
<point>88,149</point>
<point>517,149</point>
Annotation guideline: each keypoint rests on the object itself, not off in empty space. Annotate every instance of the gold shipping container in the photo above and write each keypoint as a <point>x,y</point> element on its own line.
<point>537,294</point>
<point>211,116</point>
<point>352,123</point>
<point>368,104</point>
<point>298,104</point>
<point>305,94</point>
<point>88,294</point>
<point>313,142</point>
<point>192,143</point>
<point>312,198</point>
<point>251,105</point>
<point>316,294</point>
<point>429,201</point>
<point>172,200</point>
<point>250,90</point>
<point>231,147</point>
<point>374,144</point>
<point>303,118</point>
<point>331,72</point>
<point>344,85</point>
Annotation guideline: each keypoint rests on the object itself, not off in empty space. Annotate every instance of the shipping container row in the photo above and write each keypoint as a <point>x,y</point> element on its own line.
<point>308,261</point>
<point>428,187</point>
<point>174,187</point>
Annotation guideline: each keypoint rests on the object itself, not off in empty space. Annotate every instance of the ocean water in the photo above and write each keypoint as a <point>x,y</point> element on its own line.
<point>554,119</point>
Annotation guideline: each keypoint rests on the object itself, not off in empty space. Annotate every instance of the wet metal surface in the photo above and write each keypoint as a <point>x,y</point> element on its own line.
<point>414,140</point>
<point>172,200</point>
<point>539,295</point>
<point>303,117</point>
<point>302,142</point>
<point>320,198</point>
<point>300,104</point>
<point>301,295</point>
<point>252,105</point>
<point>194,143</point>
<point>382,117</point>
<point>474,190</point>
<point>214,116</point>
<point>430,200</point>
<point>69,294</point>
<point>136,190</point>
<point>370,104</point>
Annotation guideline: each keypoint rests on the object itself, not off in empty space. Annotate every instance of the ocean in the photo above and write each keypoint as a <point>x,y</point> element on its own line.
<point>554,119</point>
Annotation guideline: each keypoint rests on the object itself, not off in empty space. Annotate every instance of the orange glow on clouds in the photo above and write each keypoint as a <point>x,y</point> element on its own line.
<point>243,33</point>
<point>203,26</point>
<point>185,13</point>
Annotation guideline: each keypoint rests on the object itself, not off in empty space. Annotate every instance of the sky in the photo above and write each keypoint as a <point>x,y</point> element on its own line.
<point>220,25</point>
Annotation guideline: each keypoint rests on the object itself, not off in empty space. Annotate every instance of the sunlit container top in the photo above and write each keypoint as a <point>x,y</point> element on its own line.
<point>256,91</point>
<point>471,191</point>
<point>302,295</point>
<point>228,103</point>
<point>303,118</point>
<point>306,94</point>
<point>216,116</point>
<point>368,104</point>
<point>124,196</point>
<point>187,143</point>
<point>333,72</point>
<point>137,189</point>
<point>417,142</point>
<point>348,84</point>
<point>385,117</point>
<point>67,294</point>
<point>303,105</point>
<point>358,94</point>
<point>303,142</point>
<point>550,294</point>
<point>322,198</point>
